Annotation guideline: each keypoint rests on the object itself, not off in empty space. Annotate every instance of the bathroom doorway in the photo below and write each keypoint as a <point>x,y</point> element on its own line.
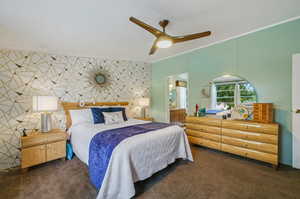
<point>177,98</point>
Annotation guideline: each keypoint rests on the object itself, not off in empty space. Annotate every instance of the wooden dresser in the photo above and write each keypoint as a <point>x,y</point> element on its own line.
<point>254,140</point>
<point>38,147</point>
<point>177,115</point>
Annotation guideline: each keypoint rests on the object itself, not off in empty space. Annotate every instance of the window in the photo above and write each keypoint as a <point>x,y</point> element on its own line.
<point>247,93</point>
<point>225,94</point>
<point>235,93</point>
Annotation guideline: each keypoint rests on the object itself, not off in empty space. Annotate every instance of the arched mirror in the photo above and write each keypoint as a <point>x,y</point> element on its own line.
<point>232,93</point>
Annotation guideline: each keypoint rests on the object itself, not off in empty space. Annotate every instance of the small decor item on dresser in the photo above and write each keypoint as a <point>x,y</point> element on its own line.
<point>240,112</point>
<point>202,112</point>
<point>263,112</point>
<point>46,105</point>
<point>25,134</point>
<point>197,109</point>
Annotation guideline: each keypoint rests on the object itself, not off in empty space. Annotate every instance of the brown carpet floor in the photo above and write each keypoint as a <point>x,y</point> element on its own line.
<point>212,175</point>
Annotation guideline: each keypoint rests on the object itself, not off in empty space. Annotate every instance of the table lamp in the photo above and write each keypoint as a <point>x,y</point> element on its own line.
<point>143,102</point>
<point>45,105</point>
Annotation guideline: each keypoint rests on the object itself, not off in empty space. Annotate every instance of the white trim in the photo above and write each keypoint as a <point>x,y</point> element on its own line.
<point>230,82</point>
<point>166,96</point>
<point>230,38</point>
<point>295,106</point>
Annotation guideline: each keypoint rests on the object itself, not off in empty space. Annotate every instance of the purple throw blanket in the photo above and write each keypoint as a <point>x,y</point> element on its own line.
<point>103,144</point>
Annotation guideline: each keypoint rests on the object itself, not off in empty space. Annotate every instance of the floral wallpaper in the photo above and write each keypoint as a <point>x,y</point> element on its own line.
<point>70,78</point>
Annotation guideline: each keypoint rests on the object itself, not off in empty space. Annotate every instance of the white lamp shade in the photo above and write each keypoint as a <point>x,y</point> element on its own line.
<point>164,42</point>
<point>44,103</point>
<point>143,102</point>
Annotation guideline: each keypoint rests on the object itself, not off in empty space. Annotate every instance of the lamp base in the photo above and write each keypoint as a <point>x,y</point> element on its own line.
<point>46,122</point>
<point>144,113</point>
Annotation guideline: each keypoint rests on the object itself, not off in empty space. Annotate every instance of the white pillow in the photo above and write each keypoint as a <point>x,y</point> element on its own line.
<point>81,116</point>
<point>113,117</point>
<point>127,110</point>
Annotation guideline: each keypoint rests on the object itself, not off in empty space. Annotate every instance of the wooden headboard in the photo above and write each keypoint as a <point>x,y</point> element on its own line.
<point>76,105</point>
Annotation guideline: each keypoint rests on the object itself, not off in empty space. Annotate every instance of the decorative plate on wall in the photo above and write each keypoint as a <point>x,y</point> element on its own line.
<point>99,78</point>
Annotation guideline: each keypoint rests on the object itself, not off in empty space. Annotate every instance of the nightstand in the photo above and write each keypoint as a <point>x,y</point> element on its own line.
<point>145,118</point>
<point>38,148</point>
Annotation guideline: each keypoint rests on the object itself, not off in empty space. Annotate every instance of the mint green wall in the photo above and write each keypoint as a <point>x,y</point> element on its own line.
<point>264,58</point>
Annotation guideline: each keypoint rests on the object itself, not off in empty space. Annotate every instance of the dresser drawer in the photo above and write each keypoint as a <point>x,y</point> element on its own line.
<point>56,137</point>
<point>265,157</point>
<point>263,128</point>
<point>205,142</point>
<point>233,149</point>
<point>239,125</point>
<point>204,135</point>
<point>257,155</point>
<point>204,128</point>
<point>204,120</point>
<point>33,141</point>
<point>263,147</point>
<point>260,137</point>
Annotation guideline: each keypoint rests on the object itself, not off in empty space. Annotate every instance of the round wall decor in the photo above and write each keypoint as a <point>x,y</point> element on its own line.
<point>100,78</point>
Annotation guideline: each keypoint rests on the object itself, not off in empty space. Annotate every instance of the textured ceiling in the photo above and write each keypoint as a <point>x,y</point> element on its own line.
<point>101,27</point>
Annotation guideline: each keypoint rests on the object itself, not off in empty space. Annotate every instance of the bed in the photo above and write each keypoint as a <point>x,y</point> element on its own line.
<point>133,159</point>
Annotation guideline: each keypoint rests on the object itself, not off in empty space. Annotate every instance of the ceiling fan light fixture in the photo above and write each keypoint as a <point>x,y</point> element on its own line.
<point>164,42</point>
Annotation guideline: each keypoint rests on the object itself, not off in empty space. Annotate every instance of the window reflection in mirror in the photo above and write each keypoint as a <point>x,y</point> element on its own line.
<point>229,91</point>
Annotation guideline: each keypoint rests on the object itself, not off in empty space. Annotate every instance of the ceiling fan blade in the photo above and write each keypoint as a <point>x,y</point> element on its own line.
<point>147,27</point>
<point>190,37</point>
<point>153,48</point>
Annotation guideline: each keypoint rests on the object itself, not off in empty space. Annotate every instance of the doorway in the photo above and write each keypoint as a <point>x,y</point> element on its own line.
<point>296,110</point>
<point>177,98</point>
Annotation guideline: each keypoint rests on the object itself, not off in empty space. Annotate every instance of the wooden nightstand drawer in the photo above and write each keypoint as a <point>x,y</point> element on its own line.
<point>56,137</point>
<point>56,150</point>
<point>33,155</point>
<point>33,141</point>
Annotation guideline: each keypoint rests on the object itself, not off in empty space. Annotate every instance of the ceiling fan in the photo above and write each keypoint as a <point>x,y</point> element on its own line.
<point>163,40</point>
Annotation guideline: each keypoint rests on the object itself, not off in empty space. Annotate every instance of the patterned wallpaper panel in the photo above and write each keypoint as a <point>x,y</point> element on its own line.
<point>25,74</point>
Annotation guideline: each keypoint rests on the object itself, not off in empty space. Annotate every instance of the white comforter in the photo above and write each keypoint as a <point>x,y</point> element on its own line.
<point>135,158</point>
